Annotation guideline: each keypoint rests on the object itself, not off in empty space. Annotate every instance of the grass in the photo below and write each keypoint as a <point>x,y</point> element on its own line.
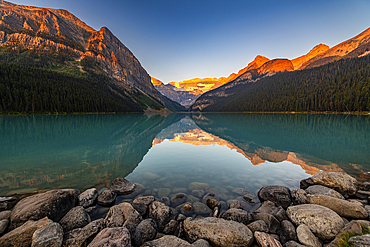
<point>344,240</point>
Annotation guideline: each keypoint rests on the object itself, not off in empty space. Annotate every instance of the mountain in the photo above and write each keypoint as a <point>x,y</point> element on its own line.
<point>57,40</point>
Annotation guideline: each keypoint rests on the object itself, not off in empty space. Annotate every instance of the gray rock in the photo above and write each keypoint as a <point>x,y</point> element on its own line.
<point>171,227</point>
<point>364,186</point>
<point>342,207</point>
<point>209,196</point>
<point>75,218</point>
<point>91,210</point>
<point>187,209</point>
<point>22,236</point>
<point>88,198</point>
<point>280,195</point>
<point>241,191</point>
<point>293,244</point>
<point>218,232</point>
<point>362,194</point>
<point>141,204</point>
<point>166,201</point>
<point>82,236</point>
<point>287,232</point>
<point>235,204</point>
<point>7,203</point>
<point>265,240</point>
<point>53,204</point>
<point>198,193</point>
<point>3,225</point>
<point>365,223</point>
<point>123,215</point>
<point>322,221</point>
<point>198,186</point>
<point>164,192</point>
<point>178,199</point>
<point>352,227</point>
<point>360,241</point>
<point>201,243</point>
<point>299,196</point>
<point>269,207</point>
<point>122,186</point>
<point>339,181</point>
<point>237,215</point>
<point>322,190</point>
<point>117,236</point>
<point>212,203</point>
<point>5,215</point>
<point>272,223</point>
<point>250,197</point>
<point>258,226</point>
<point>145,231</point>
<point>161,213</point>
<point>47,236</point>
<point>201,209</point>
<point>106,198</point>
<point>306,237</point>
<point>180,217</point>
<point>167,240</point>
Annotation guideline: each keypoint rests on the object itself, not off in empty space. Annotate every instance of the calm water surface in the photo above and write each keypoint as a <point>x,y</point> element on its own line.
<point>166,154</point>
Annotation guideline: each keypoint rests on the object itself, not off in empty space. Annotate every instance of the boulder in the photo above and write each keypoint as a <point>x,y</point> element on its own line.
<point>237,215</point>
<point>235,204</point>
<point>22,236</point>
<point>339,181</point>
<point>201,243</point>
<point>123,215</point>
<point>218,232</point>
<point>322,190</point>
<point>280,195</point>
<point>201,209</point>
<point>171,227</point>
<point>117,236</point>
<point>265,240</point>
<point>178,199</point>
<point>77,217</point>
<point>287,232</point>
<point>145,231</point>
<point>258,226</point>
<point>3,225</point>
<point>106,198</point>
<point>49,235</point>
<point>299,196</point>
<point>122,186</point>
<point>141,204</point>
<point>82,236</point>
<point>198,186</point>
<point>272,223</point>
<point>161,213</point>
<point>360,241</point>
<point>322,221</point>
<point>198,193</point>
<point>306,237</point>
<point>88,198</point>
<point>342,207</point>
<point>53,204</point>
<point>167,240</point>
<point>352,227</point>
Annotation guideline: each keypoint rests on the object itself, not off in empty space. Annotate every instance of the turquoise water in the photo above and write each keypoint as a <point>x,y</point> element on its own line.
<point>225,151</point>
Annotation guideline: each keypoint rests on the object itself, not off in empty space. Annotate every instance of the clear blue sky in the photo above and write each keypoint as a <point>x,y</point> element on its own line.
<point>176,40</point>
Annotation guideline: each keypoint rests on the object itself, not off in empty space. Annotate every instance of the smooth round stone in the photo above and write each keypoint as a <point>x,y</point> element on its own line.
<point>198,193</point>
<point>201,209</point>
<point>106,198</point>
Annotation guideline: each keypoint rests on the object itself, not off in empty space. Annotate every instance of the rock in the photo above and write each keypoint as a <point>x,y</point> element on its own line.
<point>201,209</point>
<point>209,196</point>
<point>88,198</point>
<point>7,203</point>
<point>166,201</point>
<point>180,217</point>
<point>237,215</point>
<point>167,240</point>
<point>305,183</point>
<point>141,204</point>
<point>164,192</point>
<point>287,232</point>
<point>53,204</point>
<point>106,198</point>
<point>212,203</point>
<point>161,213</point>
<point>264,240</point>
<point>117,236</point>
<point>366,223</point>
<point>5,215</point>
<point>145,231</point>
<point>339,181</point>
<point>241,191</point>
<point>22,236</point>
<point>280,195</point>
<point>352,227</point>
<point>250,197</point>
<point>293,244</point>
<point>198,193</point>
<point>322,190</point>
<point>201,243</point>
<point>275,236</point>
<point>342,207</point>
<point>218,232</point>
<point>3,225</point>
<point>272,223</point>
<point>360,241</point>
<point>49,235</point>
<point>150,176</point>
<point>259,226</point>
<point>91,210</point>
<point>75,218</point>
<point>306,237</point>
<point>178,199</point>
<point>81,236</point>
<point>235,204</point>
<point>180,230</point>
<point>138,191</point>
<point>364,186</point>
<point>123,215</point>
<point>192,199</point>
<point>171,227</point>
<point>187,210</point>
<point>299,196</point>
<point>198,186</point>
<point>122,186</point>
<point>269,207</point>
<point>362,194</point>
<point>322,221</point>
<point>215,212</point>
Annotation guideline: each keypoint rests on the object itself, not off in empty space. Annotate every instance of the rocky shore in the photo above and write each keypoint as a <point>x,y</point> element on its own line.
<point>328,207</point>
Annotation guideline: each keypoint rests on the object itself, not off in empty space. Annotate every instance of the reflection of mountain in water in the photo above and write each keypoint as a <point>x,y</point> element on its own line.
<point>80,151</point>
<point>326,142</point>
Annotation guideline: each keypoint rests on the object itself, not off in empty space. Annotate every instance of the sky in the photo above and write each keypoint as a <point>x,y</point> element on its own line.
<point>178,40</point>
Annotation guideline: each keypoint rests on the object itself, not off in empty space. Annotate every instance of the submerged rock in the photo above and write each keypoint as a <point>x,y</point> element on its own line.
<point>122,186</point>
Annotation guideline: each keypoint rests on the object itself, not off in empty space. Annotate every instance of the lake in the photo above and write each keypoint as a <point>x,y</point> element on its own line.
<point>164,154</point>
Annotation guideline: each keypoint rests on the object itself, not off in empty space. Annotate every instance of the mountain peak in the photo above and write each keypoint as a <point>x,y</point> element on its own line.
<point>318,49</point>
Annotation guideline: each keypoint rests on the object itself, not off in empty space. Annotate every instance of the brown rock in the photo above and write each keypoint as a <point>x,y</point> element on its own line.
<point>265,240</point>
<point>167,240</point>
<point>322,190</point>
<point>77,217</point>
<point>306,237</point>
<point>161,213</point>
<point>117,236</point>
<point>141,204</point>
<point>299,196</point>
<point>81,236</point>
<point>49,235</point>
<point>122,186</point>
<point>339,181</point>
<point>280,195</point>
